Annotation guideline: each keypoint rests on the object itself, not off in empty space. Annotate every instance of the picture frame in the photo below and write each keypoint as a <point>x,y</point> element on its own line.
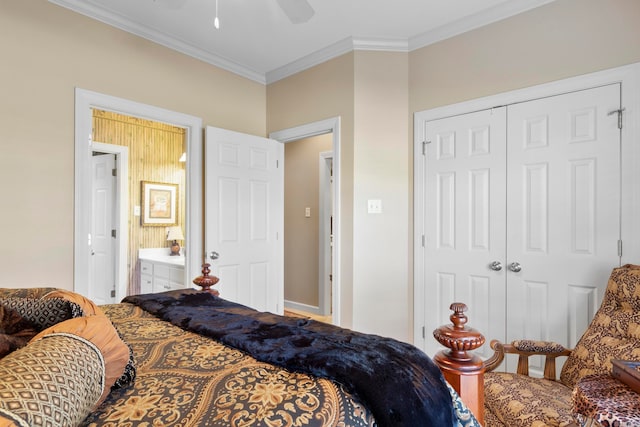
<point>159,203</point>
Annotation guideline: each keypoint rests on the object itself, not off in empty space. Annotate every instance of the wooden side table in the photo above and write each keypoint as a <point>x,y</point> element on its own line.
<point>603,400</point>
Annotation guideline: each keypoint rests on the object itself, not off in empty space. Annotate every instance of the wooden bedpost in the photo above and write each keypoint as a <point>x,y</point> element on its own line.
<point>464,371</point>
<point>205,281</point>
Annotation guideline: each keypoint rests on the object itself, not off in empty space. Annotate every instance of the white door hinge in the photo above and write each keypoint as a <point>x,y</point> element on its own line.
<point>619,113</point>
<point>424,147</point>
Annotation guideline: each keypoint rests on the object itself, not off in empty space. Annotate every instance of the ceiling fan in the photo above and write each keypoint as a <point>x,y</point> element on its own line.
<point>298,11</point>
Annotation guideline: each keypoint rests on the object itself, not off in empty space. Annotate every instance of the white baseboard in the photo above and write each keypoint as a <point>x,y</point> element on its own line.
<point>302,307</point>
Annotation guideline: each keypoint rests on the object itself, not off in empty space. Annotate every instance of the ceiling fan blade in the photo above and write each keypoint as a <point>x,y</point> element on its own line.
<point>298,11</point>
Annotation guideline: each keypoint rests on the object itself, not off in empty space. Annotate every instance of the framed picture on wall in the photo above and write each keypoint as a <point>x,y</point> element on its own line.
<point>159,203</point>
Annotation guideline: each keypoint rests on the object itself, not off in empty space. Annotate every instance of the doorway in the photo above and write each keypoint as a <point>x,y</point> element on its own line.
<point>86,102</point>
<point>325,127</point>
<point>307,224</point>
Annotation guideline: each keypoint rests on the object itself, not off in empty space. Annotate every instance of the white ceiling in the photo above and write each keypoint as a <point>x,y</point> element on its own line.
<point>256,39</point>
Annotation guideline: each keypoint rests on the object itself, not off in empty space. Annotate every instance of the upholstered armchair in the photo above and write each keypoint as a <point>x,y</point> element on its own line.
<point>515,399</point>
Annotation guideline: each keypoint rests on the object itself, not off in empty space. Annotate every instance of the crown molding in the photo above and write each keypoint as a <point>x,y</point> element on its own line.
<point>349,44</point>
<point>332,51</point>
<point>150,34</point>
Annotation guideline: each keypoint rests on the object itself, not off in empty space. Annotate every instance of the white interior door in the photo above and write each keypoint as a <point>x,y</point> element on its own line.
<point>464,220</point>
<point>102,260</point>
<point>244,215</point>
<point>564,212</point>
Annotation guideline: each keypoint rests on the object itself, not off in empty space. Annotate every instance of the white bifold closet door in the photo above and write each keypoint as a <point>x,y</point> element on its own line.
<point>522,215</point>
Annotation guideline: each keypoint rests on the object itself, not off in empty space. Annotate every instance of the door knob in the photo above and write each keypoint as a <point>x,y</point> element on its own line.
<point>515,267</point>
<point>496,266</point>
<point>214,255</point>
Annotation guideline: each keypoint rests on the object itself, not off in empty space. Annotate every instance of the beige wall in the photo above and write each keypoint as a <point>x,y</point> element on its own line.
<point>301,237</point>
<point>48,51</point>
<point>562,39</point>
<point>380,279</point>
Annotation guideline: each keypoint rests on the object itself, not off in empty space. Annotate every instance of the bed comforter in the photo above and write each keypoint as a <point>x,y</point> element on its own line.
<point>398,382</point>
<point>186,378</point>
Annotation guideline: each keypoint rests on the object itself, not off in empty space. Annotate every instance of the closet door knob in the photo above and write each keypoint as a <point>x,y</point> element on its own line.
<point>515,267</point>
<point>496,266</point>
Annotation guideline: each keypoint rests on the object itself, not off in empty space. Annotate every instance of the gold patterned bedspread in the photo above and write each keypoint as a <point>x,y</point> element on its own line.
<point>184,379</point>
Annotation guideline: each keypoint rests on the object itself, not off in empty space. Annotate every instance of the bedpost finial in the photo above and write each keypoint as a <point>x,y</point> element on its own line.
<point>458,318</point>
<point>458,337</point>
<point>205,281</point>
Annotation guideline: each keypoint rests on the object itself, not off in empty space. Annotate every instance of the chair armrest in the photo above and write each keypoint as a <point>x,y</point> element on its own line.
<point>524,349</point>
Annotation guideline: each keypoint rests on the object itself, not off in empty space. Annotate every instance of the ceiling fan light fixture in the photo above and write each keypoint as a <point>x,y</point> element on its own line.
<point>298,11</point>
<point>216,21</point>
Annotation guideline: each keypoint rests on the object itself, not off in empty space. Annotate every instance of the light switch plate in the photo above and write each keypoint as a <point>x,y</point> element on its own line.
<point>374,206</point>
<point>136,211</point>
<point>307,212</point>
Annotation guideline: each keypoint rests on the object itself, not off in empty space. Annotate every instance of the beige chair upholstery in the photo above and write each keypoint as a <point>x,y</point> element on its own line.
<point>514,399</point>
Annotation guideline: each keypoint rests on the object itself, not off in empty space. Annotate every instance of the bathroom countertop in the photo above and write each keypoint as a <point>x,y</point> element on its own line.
<point>160,255</point>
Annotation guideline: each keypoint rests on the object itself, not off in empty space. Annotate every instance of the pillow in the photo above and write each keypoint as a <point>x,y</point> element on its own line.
<point>24,292</point>
<point>55,381</point>
<point>43,312</point>
<point>89,308</point>
<point>100,332</point>
<point>15,330</point>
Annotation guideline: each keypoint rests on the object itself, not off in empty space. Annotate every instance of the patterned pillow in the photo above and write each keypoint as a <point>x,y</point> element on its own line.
<point>43,312</point>
<point>15,330</point>
<point>89,308</point>
<point>55,381</point>
<point>24,292</point>
<point>99,331</point>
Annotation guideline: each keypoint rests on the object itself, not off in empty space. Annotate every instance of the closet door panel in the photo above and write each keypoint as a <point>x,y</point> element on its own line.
<point>465,221</point>
<point>563,217</point>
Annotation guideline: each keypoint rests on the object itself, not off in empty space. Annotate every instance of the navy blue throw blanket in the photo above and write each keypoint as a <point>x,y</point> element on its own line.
<point>398,383</point>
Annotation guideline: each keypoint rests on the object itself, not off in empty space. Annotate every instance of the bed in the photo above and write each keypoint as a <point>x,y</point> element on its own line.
<point>189,358</point>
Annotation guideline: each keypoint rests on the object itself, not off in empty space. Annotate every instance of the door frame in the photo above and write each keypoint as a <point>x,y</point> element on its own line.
<point>628,76</point>
<point>331,125</point>
<point>85,102</point>
<point>325,272</point>
<point>122,238</point>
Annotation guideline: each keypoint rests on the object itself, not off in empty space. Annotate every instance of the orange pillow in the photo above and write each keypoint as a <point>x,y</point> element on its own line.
<point>89,308</point>
<point>100,332</point>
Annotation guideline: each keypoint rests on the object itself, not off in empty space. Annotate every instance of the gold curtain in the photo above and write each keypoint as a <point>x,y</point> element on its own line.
<point>154,152</point>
